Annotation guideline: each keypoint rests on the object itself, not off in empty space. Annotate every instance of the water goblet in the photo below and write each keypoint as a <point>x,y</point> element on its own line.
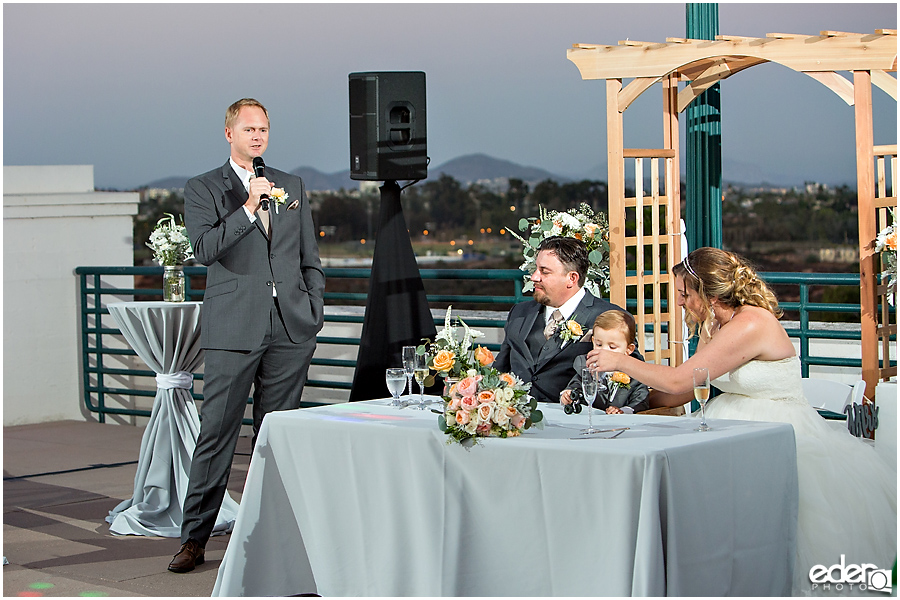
<point>409,365</point>
<point>589,385</point>
<point>701,395</point>
<point>421,372</point>
<point>396,382</point>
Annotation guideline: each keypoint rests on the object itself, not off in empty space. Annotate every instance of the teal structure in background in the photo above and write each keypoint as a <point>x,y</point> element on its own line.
<point>703,165</point>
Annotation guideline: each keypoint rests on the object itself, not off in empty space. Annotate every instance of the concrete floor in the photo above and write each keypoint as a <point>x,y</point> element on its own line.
<point>60,480</point>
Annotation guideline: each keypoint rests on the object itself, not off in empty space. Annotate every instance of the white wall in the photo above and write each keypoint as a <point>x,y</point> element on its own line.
<point>53,221</point>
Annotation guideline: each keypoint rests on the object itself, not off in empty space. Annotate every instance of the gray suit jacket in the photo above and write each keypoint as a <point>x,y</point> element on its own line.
<point>244,264</point>
<point>550,370</point>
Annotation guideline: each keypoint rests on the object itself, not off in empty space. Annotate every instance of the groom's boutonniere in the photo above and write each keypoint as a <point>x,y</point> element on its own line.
<point>570,330</point>
<point>279,196</point>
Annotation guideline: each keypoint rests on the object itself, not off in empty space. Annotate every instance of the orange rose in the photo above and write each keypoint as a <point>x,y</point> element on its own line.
<point>483,356</point>
<point>443,361</point>
<point>485,396</point>
<point>508,379</point>
<point>891,241</point>
<point>620,377</point>
<point>574,328</point>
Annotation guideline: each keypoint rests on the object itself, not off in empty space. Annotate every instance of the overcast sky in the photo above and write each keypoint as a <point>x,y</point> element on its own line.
<point>140,90</point>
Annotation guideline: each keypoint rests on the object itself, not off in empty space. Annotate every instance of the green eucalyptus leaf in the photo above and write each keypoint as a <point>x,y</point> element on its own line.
<point>523,224</point>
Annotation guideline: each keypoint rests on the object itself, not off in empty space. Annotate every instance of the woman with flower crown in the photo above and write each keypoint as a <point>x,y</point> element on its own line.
<point>848,496</point>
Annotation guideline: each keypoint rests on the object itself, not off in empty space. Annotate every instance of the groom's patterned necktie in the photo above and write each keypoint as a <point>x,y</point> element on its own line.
<point>555,319</point>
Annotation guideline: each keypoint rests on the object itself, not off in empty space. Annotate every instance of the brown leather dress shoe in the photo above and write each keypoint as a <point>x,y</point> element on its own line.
<point>190,555</point>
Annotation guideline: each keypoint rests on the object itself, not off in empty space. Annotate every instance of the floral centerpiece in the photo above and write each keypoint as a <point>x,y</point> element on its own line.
<point>479,401</point>
<point>453,353</point>
<point>170,243</point>
<point>171,249</point>
<point>886,244</point>
<point>488,404</point>
<point>581,223</point>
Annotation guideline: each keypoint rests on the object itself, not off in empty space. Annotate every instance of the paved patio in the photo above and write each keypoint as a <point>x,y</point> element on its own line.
<point>60,480</point>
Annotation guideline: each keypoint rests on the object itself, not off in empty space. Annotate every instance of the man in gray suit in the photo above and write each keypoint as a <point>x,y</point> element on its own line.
<point>261,310</point>
<point>533,347</point>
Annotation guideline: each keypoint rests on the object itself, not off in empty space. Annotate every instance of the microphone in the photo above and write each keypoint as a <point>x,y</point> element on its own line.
<point>259,170</point>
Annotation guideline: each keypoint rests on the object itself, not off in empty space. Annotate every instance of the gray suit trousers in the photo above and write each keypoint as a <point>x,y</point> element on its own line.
<point>228,376</point>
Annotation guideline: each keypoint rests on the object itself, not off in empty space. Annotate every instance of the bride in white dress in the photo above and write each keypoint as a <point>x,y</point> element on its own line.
<point>848,495</point>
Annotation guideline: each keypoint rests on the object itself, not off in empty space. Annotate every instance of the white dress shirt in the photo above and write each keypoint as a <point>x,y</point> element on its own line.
<point>567,309</point>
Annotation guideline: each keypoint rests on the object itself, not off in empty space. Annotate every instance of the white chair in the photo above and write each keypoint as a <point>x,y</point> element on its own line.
<point>832,395</point>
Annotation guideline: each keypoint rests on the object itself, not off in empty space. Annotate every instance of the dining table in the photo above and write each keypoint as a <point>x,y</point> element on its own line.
<point>368,499</point>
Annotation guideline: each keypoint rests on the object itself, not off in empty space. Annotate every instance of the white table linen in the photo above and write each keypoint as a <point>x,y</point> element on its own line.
<point>166,336</point>
<point>362,499</point>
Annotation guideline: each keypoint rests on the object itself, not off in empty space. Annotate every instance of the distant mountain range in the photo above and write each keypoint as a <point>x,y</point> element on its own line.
<point>465,169</point>
<point>472,168</point>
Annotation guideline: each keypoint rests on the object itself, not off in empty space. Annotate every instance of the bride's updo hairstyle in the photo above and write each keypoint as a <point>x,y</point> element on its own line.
<point>718,274</point>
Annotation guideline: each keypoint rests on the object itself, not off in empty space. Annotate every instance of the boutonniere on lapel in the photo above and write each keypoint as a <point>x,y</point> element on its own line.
<point>279,196</point>
<point>617,380</point>
<point>568,331</point>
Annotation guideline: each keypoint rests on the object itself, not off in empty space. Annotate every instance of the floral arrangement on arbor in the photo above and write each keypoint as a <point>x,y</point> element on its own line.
<point>170,243</point>
<point>886,244</point>
<point>581,223</point>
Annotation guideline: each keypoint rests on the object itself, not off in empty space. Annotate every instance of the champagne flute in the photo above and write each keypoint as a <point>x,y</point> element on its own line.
<point>396,382</point>
<point>589,385</point>
<point>701,395</point>
<point>421,372</point>
<point>409,365</point>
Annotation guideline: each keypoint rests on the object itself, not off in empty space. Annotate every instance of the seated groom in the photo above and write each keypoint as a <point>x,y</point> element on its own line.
<point>539,345</point>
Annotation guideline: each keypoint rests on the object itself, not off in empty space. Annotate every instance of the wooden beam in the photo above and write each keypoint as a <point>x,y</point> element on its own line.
<point>708,78</point>
<point>834,82</point>
<point>633,90</point>
<point>885,82</point>
<point>852,52</point>
<point>648,153</point>
<point>865,182</point>
<point>616,192</point>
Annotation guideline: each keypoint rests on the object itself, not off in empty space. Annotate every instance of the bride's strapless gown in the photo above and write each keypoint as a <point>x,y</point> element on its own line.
<point>848,494</point>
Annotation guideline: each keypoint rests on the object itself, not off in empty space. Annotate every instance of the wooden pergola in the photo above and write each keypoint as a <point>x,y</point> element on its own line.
<point>699,64</point>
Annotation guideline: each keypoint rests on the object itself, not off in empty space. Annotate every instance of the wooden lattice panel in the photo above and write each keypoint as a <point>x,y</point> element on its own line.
<point>885,170</point>
<point>653,247</point>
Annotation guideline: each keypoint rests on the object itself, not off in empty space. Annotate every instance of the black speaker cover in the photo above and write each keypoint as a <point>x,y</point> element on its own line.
<point>387,126</point>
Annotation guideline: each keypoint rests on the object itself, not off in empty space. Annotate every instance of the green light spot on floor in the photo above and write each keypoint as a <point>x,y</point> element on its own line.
<point>92,594</point>
<point>40,585</point>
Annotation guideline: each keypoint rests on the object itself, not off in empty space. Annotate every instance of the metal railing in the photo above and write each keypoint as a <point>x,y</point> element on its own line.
<point>96,336</point>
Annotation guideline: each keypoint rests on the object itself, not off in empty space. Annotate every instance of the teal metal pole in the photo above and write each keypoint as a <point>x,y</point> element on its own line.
<point>704,143</point>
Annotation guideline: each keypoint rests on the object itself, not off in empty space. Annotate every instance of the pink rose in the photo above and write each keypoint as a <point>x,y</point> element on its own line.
<point>462,417</point>
<point>454,403</point>
<point>468,386</point>
<point>517,420</point>
<point>485,396</point>
<point>484,429</point>
<point>469,402</point>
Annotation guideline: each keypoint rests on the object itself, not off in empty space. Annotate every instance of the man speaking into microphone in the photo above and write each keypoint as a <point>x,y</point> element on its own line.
<point>261,310</point>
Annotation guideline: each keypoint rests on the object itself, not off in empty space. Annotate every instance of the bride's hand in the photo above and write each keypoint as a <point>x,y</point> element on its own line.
<point>602,360</point>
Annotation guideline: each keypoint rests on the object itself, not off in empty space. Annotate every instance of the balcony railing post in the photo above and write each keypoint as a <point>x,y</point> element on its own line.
<point>804,330</point>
